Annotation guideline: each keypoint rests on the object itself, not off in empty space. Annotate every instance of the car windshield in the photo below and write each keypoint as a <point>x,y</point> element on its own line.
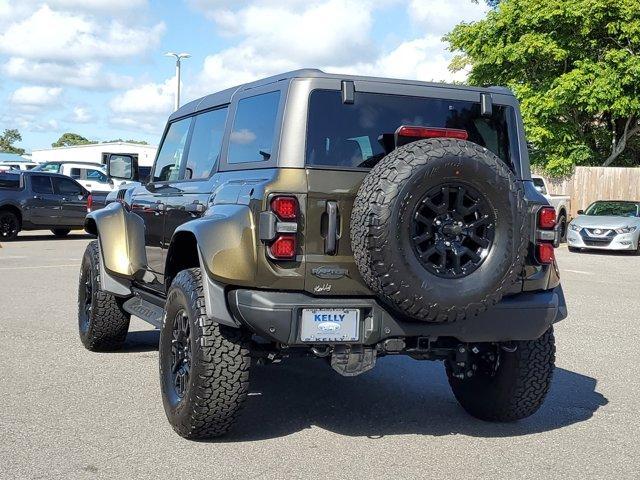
<point>614,209</point>
<point>347,135</point>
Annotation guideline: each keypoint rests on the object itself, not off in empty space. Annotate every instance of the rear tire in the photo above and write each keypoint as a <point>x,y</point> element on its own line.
<point>518,387</point>
<point>60,232</point>
<point>102,322</point>
<point>9,226</point>
<point>204,366</point>
<point>562,222</point>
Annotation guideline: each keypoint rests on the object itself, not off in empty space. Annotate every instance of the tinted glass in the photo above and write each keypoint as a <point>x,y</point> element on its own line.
<point>254,128</point>
<point>64,186</point>
<point>75,173</point>
<point>41,184</point>
<point>49,167</point>
<point>96,176</point>
<point>10,181</point>
<point>206,140</point>
<point>346,135</point>
<point>144,173</point>
<point>168,163</point>
<point>616,209</point>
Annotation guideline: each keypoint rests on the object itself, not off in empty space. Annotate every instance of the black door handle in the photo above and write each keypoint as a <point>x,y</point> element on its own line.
<point>331,242</point>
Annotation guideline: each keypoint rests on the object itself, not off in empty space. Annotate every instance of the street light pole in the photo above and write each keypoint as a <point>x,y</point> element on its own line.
<point>178,57</point>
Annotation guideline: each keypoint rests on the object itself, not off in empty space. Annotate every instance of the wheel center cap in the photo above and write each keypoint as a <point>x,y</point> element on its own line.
<point>451,230</point>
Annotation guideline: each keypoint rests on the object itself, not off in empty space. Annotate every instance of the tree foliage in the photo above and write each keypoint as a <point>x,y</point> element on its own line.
<point>71,139</point>
<point>8,138</point>
<point>575,67</point>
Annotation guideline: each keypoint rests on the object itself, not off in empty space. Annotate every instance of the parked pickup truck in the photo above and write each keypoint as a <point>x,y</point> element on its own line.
<point>562,204</point>
<point>41,201</point>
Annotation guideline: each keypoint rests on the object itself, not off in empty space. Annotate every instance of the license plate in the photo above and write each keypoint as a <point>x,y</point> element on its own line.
<point>330,325</point>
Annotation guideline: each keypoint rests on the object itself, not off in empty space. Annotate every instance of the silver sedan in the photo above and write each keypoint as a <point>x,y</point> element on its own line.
<point>606,225</point>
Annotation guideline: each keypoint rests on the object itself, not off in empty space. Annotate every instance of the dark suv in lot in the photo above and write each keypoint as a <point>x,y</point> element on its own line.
<point>340,217</point>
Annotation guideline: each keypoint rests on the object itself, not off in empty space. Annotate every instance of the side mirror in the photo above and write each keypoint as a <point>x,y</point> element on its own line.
<point>580,212</point>
<point>122,167</point>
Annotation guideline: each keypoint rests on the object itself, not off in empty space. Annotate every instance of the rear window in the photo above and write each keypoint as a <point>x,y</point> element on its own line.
<point>346,135</point>
<point>9,181</point>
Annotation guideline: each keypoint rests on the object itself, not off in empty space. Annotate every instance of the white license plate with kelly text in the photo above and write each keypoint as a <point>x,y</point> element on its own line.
<point>330,325</point>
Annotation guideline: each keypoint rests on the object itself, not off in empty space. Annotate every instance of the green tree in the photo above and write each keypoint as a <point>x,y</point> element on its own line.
<point>8,138</point>
<point>70,139</point>
<point>575,67</point>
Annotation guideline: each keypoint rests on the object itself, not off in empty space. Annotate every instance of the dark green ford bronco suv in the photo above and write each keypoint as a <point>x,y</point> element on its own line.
<point>346,218</point>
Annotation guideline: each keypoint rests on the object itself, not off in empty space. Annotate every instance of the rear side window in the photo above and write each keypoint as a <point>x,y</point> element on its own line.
<point>206,140</point>
<point>346,135</point>
<point>9,181</point>
<point>254,127</point>
<point>168,163</point>
<point>41,184</point>
<point>75,173</point>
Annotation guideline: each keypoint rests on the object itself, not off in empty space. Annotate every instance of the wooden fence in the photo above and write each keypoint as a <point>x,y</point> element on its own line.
<point>588,184</point>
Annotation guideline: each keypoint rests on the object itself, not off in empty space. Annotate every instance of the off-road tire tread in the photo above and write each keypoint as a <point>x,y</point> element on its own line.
<point>110,322</point>
<point>372,210</point>
<point>512,397</point>
<point>221,390</point>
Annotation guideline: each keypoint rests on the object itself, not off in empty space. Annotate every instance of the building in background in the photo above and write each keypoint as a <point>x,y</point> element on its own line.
<point>96,153</point>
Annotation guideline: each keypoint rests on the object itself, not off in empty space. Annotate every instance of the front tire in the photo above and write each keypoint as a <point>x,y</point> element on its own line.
<point>516,389</point>
<point>9,226</point>
<point>102,322</point>
<point>204,366</point>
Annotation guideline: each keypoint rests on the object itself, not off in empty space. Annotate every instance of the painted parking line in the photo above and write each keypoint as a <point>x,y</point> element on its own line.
<point>577,271</point>
<point>41,266</point>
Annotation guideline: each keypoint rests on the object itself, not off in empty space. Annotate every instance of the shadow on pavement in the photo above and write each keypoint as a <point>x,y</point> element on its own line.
<point>142,341</point>
<point>399,396</point>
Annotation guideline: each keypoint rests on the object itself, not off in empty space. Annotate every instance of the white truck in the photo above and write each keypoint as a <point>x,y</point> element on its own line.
<point>562,204</point>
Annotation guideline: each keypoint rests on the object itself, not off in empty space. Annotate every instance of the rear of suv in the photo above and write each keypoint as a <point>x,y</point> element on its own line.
<point>346,218</point>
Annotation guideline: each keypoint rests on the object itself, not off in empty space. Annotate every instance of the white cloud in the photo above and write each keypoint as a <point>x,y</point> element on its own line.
<point>87,75</point>
<point>438,17</point>
<point>81,115</point>
<point>36,96</point>
<point>242,137</point>
<point>145,107</point>
<point>49,35</point>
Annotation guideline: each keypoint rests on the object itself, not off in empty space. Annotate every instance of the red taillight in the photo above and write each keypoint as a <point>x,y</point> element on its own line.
<point>432,132</point>
<point>284,247</point>
<point>286,208</point>
<point>89,203</point>
<point>547,218</point>
<point>545,253</point>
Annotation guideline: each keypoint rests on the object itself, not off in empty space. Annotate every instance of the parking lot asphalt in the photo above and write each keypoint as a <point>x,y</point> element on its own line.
<point>69,413</point>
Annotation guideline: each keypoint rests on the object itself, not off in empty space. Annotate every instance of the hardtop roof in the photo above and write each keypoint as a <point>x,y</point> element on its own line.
<point>225,96</point>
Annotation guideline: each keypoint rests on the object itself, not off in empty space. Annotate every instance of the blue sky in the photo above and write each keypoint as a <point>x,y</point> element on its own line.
<point>96,67</point>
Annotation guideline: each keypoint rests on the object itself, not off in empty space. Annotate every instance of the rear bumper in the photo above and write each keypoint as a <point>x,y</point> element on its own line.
<point>276,316</point>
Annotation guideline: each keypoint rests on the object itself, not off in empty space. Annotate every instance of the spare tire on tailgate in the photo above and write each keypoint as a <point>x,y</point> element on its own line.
<point>438,229</point>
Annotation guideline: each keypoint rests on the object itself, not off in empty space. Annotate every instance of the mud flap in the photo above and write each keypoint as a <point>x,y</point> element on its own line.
<point>350,361</point>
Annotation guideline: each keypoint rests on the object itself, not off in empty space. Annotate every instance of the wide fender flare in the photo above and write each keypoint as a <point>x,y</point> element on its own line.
<point>226,239</point>
<point>122,240</point>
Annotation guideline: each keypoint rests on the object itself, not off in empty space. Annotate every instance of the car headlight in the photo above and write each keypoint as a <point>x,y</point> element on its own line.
<point>574,227</point>
<point>626,229</point>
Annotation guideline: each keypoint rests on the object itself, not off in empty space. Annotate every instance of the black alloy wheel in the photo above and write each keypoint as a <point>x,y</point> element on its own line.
<point>86,300</point>
<point>9,226</point>
<point>181,354</point>
<point>453,230</point>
